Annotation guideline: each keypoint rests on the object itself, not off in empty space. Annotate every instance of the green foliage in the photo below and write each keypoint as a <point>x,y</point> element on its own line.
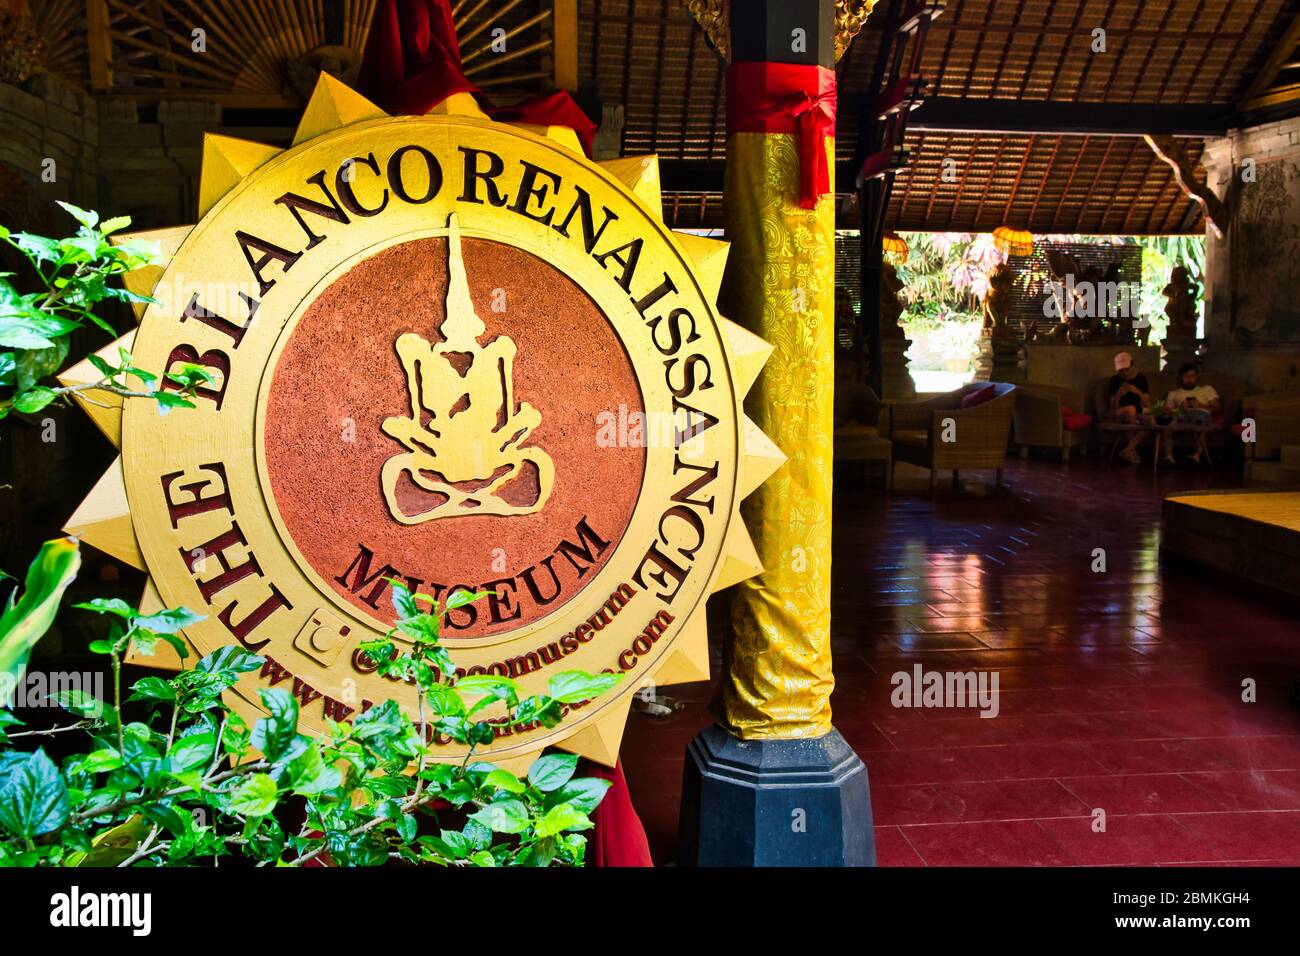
<point>945,279</point>
<point>26,620</point>
<point>945,275</point>
<point>35,328</point>
<point>192,782</point>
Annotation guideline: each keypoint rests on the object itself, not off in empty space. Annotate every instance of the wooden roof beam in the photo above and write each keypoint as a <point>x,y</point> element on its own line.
<point>1257,95</point>
<point>1057,118</point>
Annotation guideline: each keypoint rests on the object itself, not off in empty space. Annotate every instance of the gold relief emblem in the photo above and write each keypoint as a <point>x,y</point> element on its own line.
<point>464,435</point>
<point>340,288</point>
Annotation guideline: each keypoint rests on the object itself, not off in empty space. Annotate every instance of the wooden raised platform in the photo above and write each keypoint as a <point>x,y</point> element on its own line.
<point>1249,534</point>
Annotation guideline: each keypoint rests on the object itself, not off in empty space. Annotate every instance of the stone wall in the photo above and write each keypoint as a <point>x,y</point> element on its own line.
<point>1253,274</point>
<point>49,136</point>
<point>108,154</point>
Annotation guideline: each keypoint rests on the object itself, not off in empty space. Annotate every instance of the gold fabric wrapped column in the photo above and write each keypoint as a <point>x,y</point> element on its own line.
<point>779,209</point>
<point>774,756</point>
<point>780,284</point>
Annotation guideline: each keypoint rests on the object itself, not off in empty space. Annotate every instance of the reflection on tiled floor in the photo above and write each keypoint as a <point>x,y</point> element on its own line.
<point>1120,691</point>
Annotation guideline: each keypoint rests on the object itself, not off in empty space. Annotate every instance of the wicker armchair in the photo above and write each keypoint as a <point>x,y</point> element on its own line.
<point>1277,423</point>
<point>979,433</point>
<point>857,433</point>
<point>1040,420</point>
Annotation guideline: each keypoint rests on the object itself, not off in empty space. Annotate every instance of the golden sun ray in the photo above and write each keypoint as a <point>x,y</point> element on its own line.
<point>710,258</point>
<point>563,135</point>
<point>760,458</point>
<point>459,104</point>
<point>740,559</point>
<point>640,174</point>
<point>689,660</point>
<point>144,281</point>
<point>600,739</point>
<point>749,353</point>
<point>103,519</point>
<point>333,104</point>
<point>226,163</point>
<point>103,408</point>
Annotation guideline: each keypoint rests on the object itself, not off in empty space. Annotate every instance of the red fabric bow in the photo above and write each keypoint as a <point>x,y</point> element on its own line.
<point>412,63</point>
<point>787,98</point>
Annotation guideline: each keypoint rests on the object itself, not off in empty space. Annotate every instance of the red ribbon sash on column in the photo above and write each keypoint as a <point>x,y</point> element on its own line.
<point>791,98</point>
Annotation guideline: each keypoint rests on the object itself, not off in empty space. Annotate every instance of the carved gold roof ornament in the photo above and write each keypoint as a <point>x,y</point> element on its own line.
<point>712,16</point>
<point>850,17</point>
<point>345,289</point>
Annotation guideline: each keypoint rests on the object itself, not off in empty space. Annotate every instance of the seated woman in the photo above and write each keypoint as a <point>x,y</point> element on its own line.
<point>1129,397</point>
<point>1191,399</point>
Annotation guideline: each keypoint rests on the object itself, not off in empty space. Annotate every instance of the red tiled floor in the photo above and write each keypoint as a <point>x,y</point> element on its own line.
<point>895,806</point>
<point>1165,756</point>
<point>1002,843</point>
<point>893,849</point>
<point>1248,837</point>
<point>898,767</point>
<point>1135,840</point>
<point>1010,800</point>
<point>1120,691</point>
<point>1028,760</point>
<point>1258,790</point>
<point>1143,793</point>
<point>1270,753</point>
<point>937,641</point>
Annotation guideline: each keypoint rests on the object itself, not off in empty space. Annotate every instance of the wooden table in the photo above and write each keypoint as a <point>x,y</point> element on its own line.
<point>1198,431</point>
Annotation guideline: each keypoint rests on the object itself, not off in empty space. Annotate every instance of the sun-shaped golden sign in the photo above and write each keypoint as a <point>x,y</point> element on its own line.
<point>441,316</point>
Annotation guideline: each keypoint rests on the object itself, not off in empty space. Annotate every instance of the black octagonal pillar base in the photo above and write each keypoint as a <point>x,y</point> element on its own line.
<point>774,803</point>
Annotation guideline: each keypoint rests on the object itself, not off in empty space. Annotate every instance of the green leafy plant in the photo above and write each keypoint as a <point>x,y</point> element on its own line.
<point>35,328</point>
<point>25,621</point>
<point>192,782</point>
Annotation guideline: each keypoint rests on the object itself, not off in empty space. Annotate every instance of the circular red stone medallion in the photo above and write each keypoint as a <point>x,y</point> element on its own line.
<point>435,415</point>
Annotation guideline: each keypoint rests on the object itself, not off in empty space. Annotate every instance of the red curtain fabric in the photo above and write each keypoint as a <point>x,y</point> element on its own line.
<point>787,98</point>
<point>412,63</point>
<point>618,838</point>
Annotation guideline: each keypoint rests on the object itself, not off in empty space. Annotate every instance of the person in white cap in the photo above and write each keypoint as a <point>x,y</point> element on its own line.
<point>1130,395</point>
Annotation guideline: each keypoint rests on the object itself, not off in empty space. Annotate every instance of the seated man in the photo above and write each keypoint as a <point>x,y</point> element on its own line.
<point>1192,401</point>
<point>1129,397</point>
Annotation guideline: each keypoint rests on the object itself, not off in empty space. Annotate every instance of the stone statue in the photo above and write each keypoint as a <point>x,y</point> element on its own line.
<point>997,302</point>
<point>895,380</point>
<point>1181,307</point>
<point>891,305</point>
<point>1083,295</point>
